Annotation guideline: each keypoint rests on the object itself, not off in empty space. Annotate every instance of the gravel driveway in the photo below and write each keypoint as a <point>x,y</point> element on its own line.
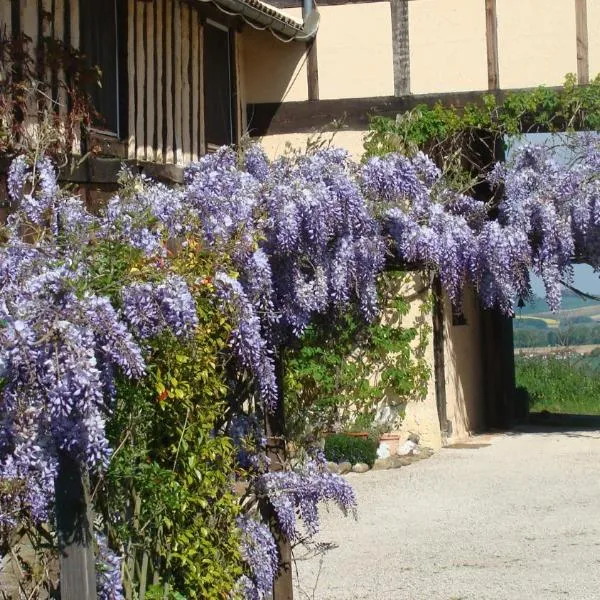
<point>513,516</point>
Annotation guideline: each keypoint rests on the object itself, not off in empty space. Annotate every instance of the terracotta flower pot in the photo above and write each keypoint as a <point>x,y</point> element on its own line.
<point>363,435</point>
<point>391,440</point>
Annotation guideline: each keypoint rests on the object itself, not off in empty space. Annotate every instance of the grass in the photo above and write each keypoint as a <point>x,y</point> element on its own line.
<point>552,323</point>
<point>565,384</point>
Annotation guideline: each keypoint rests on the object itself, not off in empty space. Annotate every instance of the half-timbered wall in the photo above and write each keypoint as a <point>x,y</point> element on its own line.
<point>162,98</point>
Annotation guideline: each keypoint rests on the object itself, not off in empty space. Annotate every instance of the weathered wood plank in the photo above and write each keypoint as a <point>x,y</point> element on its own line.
<point>169,154</point>
<point>59,33</point>
<point>5,31</point>
<point>140,92</point>
<point>30,26</point>
<point>150,102</point>
<point>177,68</point>
<point>131,49</point>
<point>74,531</point>
<point>6,18</point>
<point>158,62</point>
<point>491,27</point>
<point>195,59</point>
<point>185,79</point>
<point>74,22</point>
<point>241,114</point>
<point>46,24</point>
<point>400,47</point>
<point>202,131</point>
<point>583,56</point>
<point>439,357</point>
<point>312,70</point>
<point>75,39</point>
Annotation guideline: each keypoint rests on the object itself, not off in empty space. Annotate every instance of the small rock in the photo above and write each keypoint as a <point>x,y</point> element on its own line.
<point>408,448</point>
<point>383,450</point>
<point>360,468</point>
<point>333,467</point>
<point>383,463</point>
<point>344,467</point>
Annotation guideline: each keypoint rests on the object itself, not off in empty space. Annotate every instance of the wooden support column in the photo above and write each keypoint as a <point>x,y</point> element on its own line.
<point>400,47</point>
<point>312,66</point>
<point>283,588</point>
<point>439,360</point>
<point>583,59</point>
<point>491,26</point>
<point>74,529</point>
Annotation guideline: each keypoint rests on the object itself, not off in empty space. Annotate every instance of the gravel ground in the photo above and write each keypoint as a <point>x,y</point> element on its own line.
<point>516,519</point>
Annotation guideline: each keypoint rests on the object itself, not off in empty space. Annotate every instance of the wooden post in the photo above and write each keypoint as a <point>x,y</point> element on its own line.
<point>276,451</point>
<point>439,360</point>
<point>400,47</point>
<point>583,58</point>
<point>75,534</point>
<point>491,17</point>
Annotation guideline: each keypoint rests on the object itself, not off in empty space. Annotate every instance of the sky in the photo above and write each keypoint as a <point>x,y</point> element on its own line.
<point>585,278</point>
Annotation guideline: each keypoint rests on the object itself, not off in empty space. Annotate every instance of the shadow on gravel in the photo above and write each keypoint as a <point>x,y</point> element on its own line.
<point>548,423</point>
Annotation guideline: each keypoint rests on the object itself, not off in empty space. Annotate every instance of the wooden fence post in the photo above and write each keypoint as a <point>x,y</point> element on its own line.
<point>75,531</point>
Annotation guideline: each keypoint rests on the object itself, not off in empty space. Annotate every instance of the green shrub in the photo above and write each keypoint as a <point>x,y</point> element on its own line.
<point>341,447</point>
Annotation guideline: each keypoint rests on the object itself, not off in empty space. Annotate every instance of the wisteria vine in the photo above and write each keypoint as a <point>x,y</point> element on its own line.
<point>300,236</point>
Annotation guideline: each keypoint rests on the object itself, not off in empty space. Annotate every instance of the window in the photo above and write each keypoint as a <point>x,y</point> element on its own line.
<point>102,35</point>
<point>219,86</point>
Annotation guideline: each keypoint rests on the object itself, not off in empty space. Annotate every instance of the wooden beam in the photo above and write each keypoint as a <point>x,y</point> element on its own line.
<point>491,26</point>
<point>309,117</point>
<point>400,47</point>
<point>583,55</point>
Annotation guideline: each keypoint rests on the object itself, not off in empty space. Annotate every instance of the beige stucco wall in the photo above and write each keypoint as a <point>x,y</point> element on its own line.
<point>464,375</point>
<point>447,45</point>
<point>421,415</point>
<point>352,141</point>
<point>273,71</point>
<point>536,41</point>
<point>354,47</point>
<point>594,36</point>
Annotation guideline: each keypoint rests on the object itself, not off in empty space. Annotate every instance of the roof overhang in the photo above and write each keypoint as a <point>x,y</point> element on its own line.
<point>264,16</point>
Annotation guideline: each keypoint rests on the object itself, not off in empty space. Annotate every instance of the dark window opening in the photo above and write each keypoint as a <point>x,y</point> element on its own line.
<point>103,41</point>
<point>219,87</point>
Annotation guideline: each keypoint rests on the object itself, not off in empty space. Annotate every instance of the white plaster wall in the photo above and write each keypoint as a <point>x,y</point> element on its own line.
<point>421,415</point>
<point>354,47</point>
<point>537,41</point>
<point>464,374</point>
<point>448,51</point>
<point>273,71</point>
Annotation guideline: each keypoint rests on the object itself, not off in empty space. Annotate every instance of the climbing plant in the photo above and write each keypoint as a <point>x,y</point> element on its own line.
<point>466,142</point>
<point>346,374</point>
